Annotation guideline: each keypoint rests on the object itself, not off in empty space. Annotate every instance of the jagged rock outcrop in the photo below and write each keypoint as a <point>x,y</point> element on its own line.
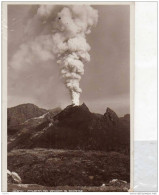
<point>111,117</point>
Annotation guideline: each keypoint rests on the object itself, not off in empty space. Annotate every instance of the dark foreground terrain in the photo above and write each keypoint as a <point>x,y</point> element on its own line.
<point>70,149</point>
<point>54,168</point>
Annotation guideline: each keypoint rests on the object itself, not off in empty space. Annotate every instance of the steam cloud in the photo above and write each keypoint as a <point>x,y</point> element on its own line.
<point>61,34</point>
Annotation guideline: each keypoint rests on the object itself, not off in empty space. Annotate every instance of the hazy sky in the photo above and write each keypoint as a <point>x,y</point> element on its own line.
<point>106,79</point>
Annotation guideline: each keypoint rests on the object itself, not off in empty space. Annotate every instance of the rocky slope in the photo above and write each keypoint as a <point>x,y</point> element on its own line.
<point>75,127</point>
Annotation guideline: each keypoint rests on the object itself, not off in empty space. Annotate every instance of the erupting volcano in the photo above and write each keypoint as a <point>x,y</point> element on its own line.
<point>63,144</point>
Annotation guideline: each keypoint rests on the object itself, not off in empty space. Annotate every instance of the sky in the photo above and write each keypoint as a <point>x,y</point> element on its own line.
<point>106,81</point>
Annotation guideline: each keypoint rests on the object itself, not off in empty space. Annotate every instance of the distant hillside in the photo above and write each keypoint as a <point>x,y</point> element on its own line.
<point>19,114</point>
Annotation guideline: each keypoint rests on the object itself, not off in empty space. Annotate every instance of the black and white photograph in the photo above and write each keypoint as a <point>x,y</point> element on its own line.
<point>68,97</point>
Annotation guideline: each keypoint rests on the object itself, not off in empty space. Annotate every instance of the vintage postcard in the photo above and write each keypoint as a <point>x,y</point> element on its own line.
<point>67,96</point>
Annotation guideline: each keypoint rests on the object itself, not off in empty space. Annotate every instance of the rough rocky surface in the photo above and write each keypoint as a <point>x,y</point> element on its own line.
<point>68,167</point>
<point>13,177</point>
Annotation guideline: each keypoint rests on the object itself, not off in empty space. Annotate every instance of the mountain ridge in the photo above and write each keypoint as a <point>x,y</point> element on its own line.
<point>74,127</point>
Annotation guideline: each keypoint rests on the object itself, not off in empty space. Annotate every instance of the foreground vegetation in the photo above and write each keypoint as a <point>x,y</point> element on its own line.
<point>82,169</point>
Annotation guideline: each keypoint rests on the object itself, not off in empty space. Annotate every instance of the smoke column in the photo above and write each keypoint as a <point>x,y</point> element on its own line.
<point>58,31</point>
<point>70,27</point>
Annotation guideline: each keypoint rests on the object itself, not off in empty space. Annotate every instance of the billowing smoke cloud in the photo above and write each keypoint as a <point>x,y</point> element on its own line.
<point>60,31</point>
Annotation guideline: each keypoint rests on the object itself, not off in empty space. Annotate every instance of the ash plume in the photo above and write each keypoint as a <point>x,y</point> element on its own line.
<point>61,35</point>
